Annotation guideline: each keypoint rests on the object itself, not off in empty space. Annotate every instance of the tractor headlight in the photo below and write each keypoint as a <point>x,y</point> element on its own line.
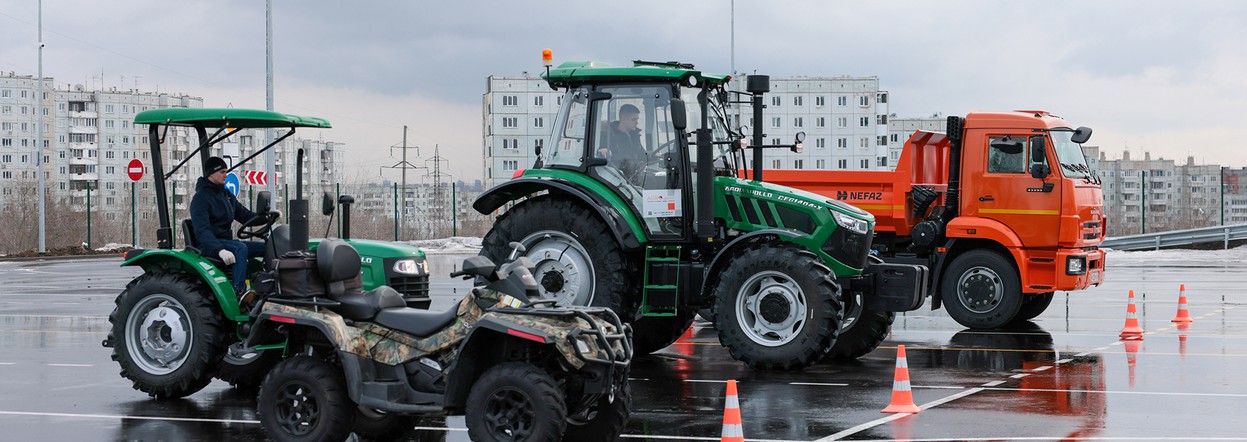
<point>860,226</point>
<point>407,267</point>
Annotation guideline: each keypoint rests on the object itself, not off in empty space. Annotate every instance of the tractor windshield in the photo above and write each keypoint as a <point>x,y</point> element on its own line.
<point>718,127</point>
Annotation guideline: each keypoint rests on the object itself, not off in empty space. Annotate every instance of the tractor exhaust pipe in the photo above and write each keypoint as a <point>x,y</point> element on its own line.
<point>757,85</point>
<point>298,208</point>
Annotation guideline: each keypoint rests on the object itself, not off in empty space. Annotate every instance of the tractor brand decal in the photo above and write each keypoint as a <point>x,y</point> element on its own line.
<point>845,195</point>
<point>662,203</point>
<point>365,260</point>
<point>789,199</point>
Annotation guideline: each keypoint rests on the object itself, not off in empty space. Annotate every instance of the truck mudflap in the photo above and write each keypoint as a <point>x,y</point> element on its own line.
<point>891,287</point>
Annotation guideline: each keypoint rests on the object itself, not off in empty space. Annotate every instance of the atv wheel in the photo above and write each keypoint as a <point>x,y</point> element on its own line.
<point>577,259</point>
<point>777,307</point>
<point>604,421</point>
<point>862,330</point>
<point>166,334</point>
<point>981,290</point>
<point>1033,306</point>
<point>247,371</point>
<point>516,401</point>
<point>305,399</point>
<point>653,333</point>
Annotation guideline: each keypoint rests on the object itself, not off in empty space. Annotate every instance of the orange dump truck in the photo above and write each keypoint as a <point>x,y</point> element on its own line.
<point>1002,207</point>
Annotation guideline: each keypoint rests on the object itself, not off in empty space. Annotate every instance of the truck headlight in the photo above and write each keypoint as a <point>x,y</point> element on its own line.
<point>407,267</point>
<point>860,226</point>
<point>1075,265</point>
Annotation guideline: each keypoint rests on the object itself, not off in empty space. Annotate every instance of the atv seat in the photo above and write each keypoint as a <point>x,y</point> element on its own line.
<point>188,237</point>
<point>420,323</point>
<point>365,305</point>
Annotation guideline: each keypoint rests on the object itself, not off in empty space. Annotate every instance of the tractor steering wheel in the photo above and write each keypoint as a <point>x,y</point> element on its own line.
<point>258,226</point>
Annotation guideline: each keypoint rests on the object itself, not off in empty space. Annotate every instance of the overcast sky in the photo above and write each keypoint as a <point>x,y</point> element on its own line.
<point>1167,77</point>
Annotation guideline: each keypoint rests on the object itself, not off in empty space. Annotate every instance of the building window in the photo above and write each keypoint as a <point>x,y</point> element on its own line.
<point>775,164</point>
<point>510,100</point>
<point>864,121</point>
<point>108,108</point>
<point>820,101</point>
<point>863,142</point>
<point>821,142</point>
<point>820,122</point>
<point>883,97</point>
<point>843,164</point>
<point>510,164</point>
<point>882,140</point>
<point>510,122</point>
<point>864,101</point>
<point>797,101</point>
<point>820,164</point>
<point>896,138</point>
<point>539,122</point>
<point>865,164</point>
<point>842,142</point>
<point>798,164</point>
<point>882,119</point>
<point>842,101</point>
<point>539,100</point>
<point>776,122</point>
<point>775,101</point>
<point>842,122</point>
<point>797,122</point>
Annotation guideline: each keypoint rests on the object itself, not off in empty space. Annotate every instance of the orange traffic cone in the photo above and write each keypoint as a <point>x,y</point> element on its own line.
<point>1183,316</point>
<point>732,431</point>
<point>1132,330</point>
<point>902,397</point>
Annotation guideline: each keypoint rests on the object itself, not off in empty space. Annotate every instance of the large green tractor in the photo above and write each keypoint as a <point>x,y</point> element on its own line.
<point>180,323</point>
<point>787,274</point>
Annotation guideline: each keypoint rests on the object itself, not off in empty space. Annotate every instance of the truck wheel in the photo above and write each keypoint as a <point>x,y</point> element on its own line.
<point>247,371</point>
<point>777,307</point>
<point>604,421</point>
<point>862,330</point>
<point>577,259</point>
<point>305,399</point>
<point>653,333</point>
<point>516,401</point>
<point>169,336</point>
<point>981,289</point>
<point>1033,306</point>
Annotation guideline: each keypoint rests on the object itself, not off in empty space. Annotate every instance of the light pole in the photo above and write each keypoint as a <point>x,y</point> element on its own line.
<point>43,248</point>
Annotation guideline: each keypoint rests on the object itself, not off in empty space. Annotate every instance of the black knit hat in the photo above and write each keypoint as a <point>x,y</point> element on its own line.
<point>213,165</point>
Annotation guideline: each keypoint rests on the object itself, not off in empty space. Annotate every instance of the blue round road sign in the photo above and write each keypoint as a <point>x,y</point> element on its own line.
<point>231,183</point>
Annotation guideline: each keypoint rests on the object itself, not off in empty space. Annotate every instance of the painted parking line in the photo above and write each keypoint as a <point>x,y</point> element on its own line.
<point>70,365</point>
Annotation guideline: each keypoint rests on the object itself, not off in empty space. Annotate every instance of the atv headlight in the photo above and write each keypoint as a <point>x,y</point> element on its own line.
<point>407,267</point>
<point>860,226</point>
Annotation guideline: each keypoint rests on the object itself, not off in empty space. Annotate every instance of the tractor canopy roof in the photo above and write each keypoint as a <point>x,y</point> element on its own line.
<point>579,72</point>
<point>227,117</point>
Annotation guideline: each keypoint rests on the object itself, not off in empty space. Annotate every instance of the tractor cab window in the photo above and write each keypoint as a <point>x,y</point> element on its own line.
<point>633,133</point>
<point>567,143</point>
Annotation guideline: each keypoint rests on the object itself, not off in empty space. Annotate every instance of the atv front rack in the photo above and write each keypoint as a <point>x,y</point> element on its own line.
<point>600,336</point>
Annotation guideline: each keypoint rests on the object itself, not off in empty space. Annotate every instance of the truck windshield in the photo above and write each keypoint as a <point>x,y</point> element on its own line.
<point>1069,153</point>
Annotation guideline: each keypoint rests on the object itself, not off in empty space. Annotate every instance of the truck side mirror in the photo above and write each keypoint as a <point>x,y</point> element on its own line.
<point>326,204</point>
<point>263,202</point>
<point>1040,171</point>
<point>679,115</point>
<point>1081,135</point>
<point>1037,149</point>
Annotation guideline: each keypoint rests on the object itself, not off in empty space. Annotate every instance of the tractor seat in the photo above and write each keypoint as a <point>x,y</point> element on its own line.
<point>365,305</point>
<point>188,237</point>
<point>419,323</point>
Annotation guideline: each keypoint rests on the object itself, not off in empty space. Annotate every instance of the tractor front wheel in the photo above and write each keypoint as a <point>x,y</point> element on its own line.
<point>862,330</point>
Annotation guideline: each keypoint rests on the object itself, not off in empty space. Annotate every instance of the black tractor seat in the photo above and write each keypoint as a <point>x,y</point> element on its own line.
<point>188,237</point>
<point>420,323</point>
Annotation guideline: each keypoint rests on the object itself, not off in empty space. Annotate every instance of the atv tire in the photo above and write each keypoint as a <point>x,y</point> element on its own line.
<point>862,330</point>
<point>516,401</point>
<point>305,399</point>
<point>981,290</point>
<point>167,334</point>
<point>248,371</point>
<point>605,422</point>
<point>777,307</point>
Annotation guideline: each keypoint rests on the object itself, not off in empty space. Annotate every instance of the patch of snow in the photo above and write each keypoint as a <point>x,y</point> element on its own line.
<point>454,244</point>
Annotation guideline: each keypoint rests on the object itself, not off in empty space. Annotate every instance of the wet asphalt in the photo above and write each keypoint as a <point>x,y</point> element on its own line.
<point>1065,375</point>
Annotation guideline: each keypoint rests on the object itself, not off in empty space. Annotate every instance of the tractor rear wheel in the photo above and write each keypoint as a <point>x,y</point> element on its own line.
<point>167,334</point>
<point>777,307</point>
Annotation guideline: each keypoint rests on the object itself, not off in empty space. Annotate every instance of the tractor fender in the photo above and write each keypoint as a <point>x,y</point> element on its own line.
<point>626,230</point>
<point>741,241</point>
<point>216,280</point>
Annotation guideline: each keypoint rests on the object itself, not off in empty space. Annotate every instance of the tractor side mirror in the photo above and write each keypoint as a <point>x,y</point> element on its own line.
<point>1081,135</point>
<point>326,204</point>
<point>679,115</point>
<point>798,143</point>
<point>263,202</point>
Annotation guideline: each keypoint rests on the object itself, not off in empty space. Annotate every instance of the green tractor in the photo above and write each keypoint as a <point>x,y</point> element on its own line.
<point>786,275</point>
<point>180,323</point>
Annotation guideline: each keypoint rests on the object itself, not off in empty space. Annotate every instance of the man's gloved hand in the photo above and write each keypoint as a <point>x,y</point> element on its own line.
<point>227,256</point>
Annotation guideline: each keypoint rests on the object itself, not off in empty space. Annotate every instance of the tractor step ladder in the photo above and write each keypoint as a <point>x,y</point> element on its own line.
<point>660,294</point>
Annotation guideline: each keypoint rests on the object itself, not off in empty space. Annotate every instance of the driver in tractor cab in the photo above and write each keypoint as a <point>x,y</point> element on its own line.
<point>619,142</point>
<point>213,211</point>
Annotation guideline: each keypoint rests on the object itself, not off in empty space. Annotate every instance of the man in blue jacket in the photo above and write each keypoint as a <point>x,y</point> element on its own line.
<point>213,212</point>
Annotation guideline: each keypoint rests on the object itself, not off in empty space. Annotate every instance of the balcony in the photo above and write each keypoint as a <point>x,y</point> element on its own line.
<point>89,176</point>
<point>84,161</point>
<point>84,114</point>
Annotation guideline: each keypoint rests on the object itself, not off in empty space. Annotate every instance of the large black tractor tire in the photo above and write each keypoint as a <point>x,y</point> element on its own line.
<point>577,259</point>
<point>305,399</point>
<point>605,421</point>
<point>516,401</point>
<point>653,333</point>
<point>862,330</point>
<point>247,371</point>
<point>167,334</point>
<point>1033,305</point>
<point>777,307</point>
<point>981,290</point>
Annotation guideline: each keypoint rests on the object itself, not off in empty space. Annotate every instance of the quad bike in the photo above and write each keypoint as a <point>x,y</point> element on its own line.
<point>519,368</point>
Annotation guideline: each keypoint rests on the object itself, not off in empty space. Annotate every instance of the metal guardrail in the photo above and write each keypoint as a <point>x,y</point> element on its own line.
<point>1154,241</point>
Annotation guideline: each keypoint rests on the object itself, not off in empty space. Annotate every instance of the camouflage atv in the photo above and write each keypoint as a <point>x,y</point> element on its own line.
<point>520,370</point>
